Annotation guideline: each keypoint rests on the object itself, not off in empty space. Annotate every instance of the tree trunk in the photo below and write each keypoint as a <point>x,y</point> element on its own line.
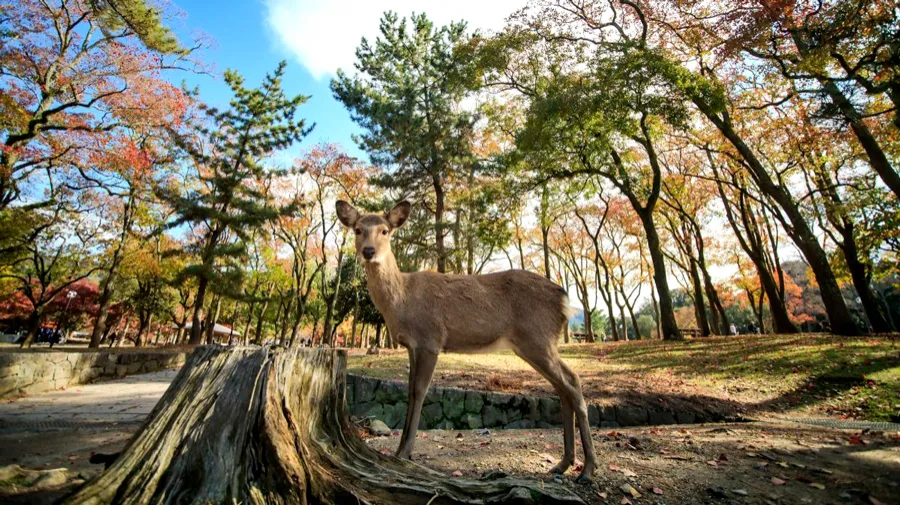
<point>102,311</point>
<point>699,304</point>
<point>655,310</point>
<point>668,326</point>
<point>211,321</point>
<point>588,324</point>
<point>246,335</point>
<point>838,315</point>
<point>863,288</point>
<point>196,335</point>
<point>34,324</point>
<point>439,224</point>
<point>291,444</point>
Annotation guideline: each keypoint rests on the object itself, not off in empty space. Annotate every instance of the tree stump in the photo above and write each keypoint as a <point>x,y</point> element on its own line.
<point>268,425</point>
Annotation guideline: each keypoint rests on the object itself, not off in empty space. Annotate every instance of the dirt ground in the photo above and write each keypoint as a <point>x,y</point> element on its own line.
<point>752,463</point>
<point>745,463</point>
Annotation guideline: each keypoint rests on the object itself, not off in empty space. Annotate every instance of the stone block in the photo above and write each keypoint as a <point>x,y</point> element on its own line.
<point>391,392</point>
<point>609,424</point>
<point>367,409</point>
<point>474,402</point>
<point>121,370</point>
<point>134,367</point>
<point>434,395</point>
<point>453,403</point>
<point>62,371</point>
<point>431,415</point>
<point>394,415</point>
<point>685,417</point>
<point>514,414</point>
<point>151,366</point>
<point>348,391</point>
<point>502,399</point>
<point>8,386</point>
<point>607,413</point>
<point>446,425</point>
<point>493,415</point>
<point>661,417</point>
<point>365,389</point>
<point>544,425</point>
<point>521,424</point>
<point>471,421</point>
<point>533,409</point>
<point>631,416</point>
<point>551,411</point>
<point>593,415</point>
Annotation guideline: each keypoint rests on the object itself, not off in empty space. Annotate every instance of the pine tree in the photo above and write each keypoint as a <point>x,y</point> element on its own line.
<point>407,97</point>
<point>231,198</point>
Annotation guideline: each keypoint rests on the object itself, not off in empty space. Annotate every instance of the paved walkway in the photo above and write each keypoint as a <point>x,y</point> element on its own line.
<point>122,401</point>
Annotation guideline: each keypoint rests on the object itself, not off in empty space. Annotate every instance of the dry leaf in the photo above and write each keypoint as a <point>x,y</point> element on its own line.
<point>657,490</point>
<point>816,485</point>
<point>630,490</point>
<point>548,458</point>
<point>777,481</point>
<point>456,474</point>
<point>712,462</point>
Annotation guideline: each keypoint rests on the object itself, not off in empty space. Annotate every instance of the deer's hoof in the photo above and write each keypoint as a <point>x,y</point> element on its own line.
<point>584,478</point>
<point>560,468</point>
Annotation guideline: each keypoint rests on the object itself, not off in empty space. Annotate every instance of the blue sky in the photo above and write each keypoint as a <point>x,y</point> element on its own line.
<point>315,37</point>
<point>242,41</point>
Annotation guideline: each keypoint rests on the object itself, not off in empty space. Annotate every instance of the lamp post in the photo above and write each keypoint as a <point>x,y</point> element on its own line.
<point>70,295</point>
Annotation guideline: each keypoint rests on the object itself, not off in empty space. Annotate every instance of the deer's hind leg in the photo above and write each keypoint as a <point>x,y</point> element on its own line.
<point>567,384</point>
<point>543,361</point>
<point>584,427</point>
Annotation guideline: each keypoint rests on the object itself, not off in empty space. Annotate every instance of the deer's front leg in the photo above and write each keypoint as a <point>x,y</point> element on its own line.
<point>421,368</point>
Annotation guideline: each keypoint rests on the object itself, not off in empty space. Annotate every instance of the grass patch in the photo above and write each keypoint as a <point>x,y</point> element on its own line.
<point>808,373</point>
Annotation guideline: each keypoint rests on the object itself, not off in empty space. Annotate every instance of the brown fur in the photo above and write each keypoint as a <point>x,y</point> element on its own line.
<point>429,313</point>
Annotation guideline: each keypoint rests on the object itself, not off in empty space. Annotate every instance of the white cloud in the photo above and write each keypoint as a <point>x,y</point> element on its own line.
<point>323,34</point>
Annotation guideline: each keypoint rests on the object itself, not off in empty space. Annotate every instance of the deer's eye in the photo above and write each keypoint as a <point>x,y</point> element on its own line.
<point>358,231</point>
<point>384,232</point>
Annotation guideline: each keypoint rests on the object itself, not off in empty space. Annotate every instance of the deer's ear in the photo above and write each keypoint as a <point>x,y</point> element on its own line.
<point>346,214</point>
<point>399,214</point>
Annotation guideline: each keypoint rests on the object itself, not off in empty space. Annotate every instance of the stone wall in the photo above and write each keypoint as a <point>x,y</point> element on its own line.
<point>451,408</point>
<point>35,371</point>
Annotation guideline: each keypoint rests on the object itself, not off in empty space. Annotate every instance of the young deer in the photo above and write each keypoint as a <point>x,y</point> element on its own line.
<point>429,313</point>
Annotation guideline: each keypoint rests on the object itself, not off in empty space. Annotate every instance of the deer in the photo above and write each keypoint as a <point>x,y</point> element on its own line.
<point>429,313</point>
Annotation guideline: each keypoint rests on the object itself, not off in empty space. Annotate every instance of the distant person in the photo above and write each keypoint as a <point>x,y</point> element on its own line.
<point>733,329</point>
<point>114,336</point>
<point>54,338</point>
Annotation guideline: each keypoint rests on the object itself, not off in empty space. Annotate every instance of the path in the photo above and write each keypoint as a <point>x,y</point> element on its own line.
<point>122,401</point>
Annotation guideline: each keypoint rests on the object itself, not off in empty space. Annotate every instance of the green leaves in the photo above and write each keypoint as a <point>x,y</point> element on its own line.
<point>232,194</point>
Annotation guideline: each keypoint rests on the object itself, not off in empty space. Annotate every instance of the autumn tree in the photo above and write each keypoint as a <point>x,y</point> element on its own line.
<point>228,152</point>
<point>56,255</point>
<point>72,72</point>
<point>705,87</point>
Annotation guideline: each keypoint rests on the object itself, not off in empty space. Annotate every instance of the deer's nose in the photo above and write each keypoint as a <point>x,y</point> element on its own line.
<point>368,252</point>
